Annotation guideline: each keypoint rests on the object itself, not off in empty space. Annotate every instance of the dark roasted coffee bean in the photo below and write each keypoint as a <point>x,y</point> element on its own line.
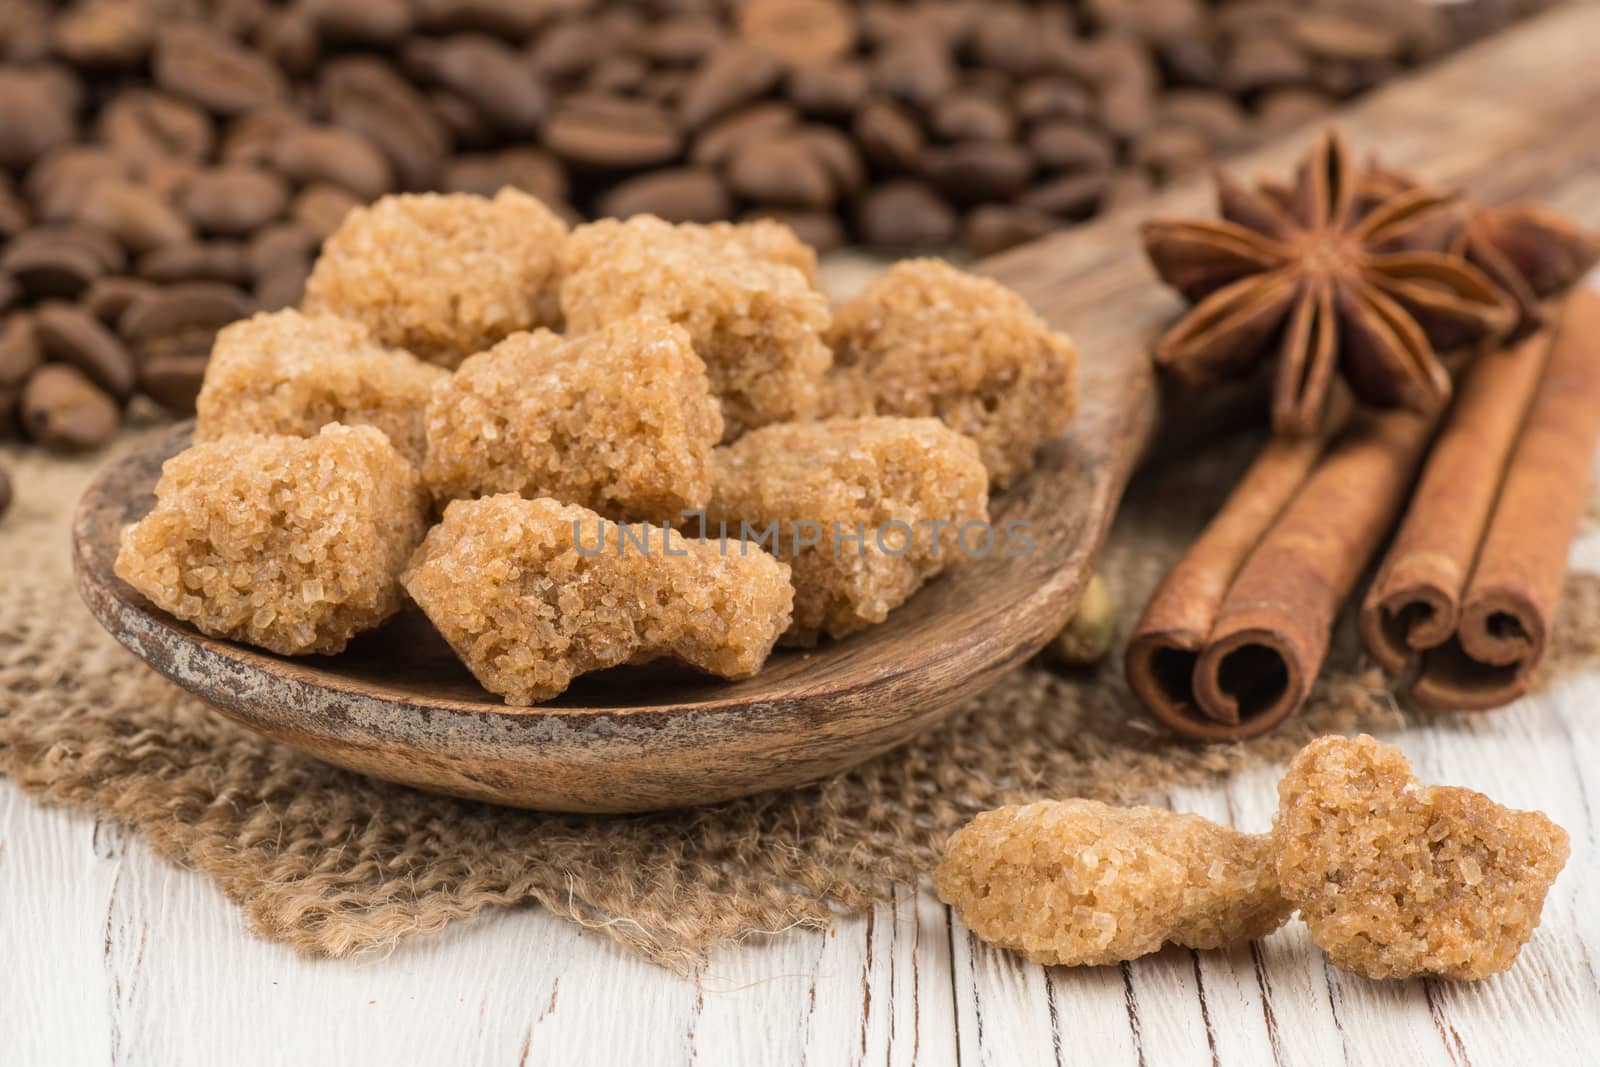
<point>530,169</point>
<point>976,170</point>
<point>1069,196</point>
<point>368,22</point>
<point>367,98</point>
<point>1061,145</point>
<point>5,489</point>
<point>617,74</point>
<point>916,70</point>
<point>321,207</point>
<point>992,228</point>
<point>109,298</point>
<point>288,38</point>
<point>600,131</point>
<point>133,214</point>
<point>142,126</point>
<point>835,152</point>
<point>72,335</point>
<point>104,33</point>
<point>484,72</point>
<point>687,194</point>
<point>329,154</point>
<point>282,242</point>
<point>566,50</point>
<point>905,214</point>
<point>1044,98</point>
<point>20,353</point>
<point>802,32</point>
<point>970,116</point>
<point>781,172</point>
<point>888,137</point>
<point>197,261</point>
<point>181,319</point>
<point>250,140</point>
<point>206,68</point>
<point>60,261</point>
<point>512,20</point>
<point>1214,114</point>
<point>469,129</point>
<point>34,116</point>
<point>819,229</point>
<point>682,40</point>
<point>233,200</point>
<point>57,184</point>
<point>10,291</point>
<point>66,412</point>
<point>1256,61</point>
<point>830,90</point>
<point>734,74</point>
<point>1127,109</point>
<point>716,144</point>
<point>174,380</point>
<point>282,284</point>
<point>1340,36</point>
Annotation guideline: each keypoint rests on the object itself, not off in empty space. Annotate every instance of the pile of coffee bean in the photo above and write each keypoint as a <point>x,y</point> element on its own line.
<point>167,166</point>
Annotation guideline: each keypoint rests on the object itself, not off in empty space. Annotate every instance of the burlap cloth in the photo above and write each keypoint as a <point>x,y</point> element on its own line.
<point>337,864</point>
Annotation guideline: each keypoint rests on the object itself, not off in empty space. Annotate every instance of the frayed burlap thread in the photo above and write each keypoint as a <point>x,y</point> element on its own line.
<point>336,864</point>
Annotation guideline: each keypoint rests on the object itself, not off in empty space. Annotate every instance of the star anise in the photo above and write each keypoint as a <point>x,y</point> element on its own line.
<point>1530,251</point>
<point>1324,276</point>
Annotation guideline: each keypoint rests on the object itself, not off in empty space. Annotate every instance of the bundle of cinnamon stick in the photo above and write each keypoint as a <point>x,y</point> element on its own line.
<point>1462,607</point>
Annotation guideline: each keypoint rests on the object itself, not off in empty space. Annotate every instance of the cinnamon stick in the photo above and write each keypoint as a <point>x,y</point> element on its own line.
<point>1271,632</point>
<point>1511,599</point>
<point>1414,604</point>
<point>1166,643</point>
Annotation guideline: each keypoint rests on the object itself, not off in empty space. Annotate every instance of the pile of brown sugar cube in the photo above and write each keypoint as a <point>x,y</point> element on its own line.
<point>555,441</point>
<point>1392,878</point>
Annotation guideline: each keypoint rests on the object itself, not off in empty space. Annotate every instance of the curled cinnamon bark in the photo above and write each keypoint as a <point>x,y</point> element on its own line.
<point>1170,635</point>
<point>1271,632</point>
<point>1415,602</point>
<point>1511,600</point>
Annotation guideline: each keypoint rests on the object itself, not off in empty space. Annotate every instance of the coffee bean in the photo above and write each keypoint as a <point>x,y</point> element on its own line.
<point>42,269</point>
<point>512,20</point>
<point>320,208</point>
<point>197,261</point>
<point>993,228</point>
<point>181,319</point>
<point>250,140</point>
<point>108,298</point>
<point>57,183</point>
<point>1281,110</point>
<point>734,74</point>
<point>969,116</point>
<point>5,492</point>
<point>288,38</point>
<point>1048,97</point>
<point>617,74</point>
<point>282,242</point>
<point>134,215</point>
<point>72,335</point>
<point>1070,196</point>
<point>10,291</point>
<point>687,194</point>
<point>173,380</point>
<point>367,98</point>
<point>34,118</point>
<point>20,353</point>
<point>529,169</point>
<point>1061,145</point>
<point>282,285</point>
<point>802,32</point>
<point>611,132</point>
<point>469,128</point>
<point>104,33</point>
<point>1127,109</point>
<point>1256,61</point>
<point>1214,114</point>
<point>682,40</point>
<point>1007,39</point>
<point>233,200</point>
<point>819,229</point>
<point>566,50</point>
<point>906,214</point>
<point>366,22</point>
<point>66,412</point>
<point>144,126</point>
<point>328,154</point>
<point>830,90</point>
<point>13,213</point>
<point>206,68</point>
<point>888,137</point>
<point>978,170</point>
<point>916,70</point>
<point>715,145</point>
<point>835,152</point>
<point>1191,61</point>
<point>1335,35</point>
<point>484,72</point>
<point>781,172</point>
<point>1167,151</point>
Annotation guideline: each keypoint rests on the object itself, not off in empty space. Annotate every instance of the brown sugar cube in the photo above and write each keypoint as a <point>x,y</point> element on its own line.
<point>282,372</point>
<point>621,421</point>
<point>929,339</point>
<point>293,544</point>
<point>443,275</point>
<point>533,593</point>
<point>754,317</point>
<point>1082,883</point>
<point>765,239</point>
<point>885,504</point>
<point>1397,879</point>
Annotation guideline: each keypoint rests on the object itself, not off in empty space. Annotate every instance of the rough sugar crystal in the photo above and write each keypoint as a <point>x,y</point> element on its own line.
<point>742,293</point>
<point>929,339</point>
<point>1397,879</point>
<point>287,373</point>
<point>293,544</point>
<point>621,421</point>
<point>443,275</point>
<point>1080,882</point>
<point>886,503</point>
<point>533,593</point>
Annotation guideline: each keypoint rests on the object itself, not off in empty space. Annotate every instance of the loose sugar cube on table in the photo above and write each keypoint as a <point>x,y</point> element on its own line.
<point>443,275</point>
<point>885,503</point>
<point>287,373</point>
<point>293,544</point>
<point>928,339</point>
<point>621,421</point>
<point>533,593</point>
<point>742,293</point>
